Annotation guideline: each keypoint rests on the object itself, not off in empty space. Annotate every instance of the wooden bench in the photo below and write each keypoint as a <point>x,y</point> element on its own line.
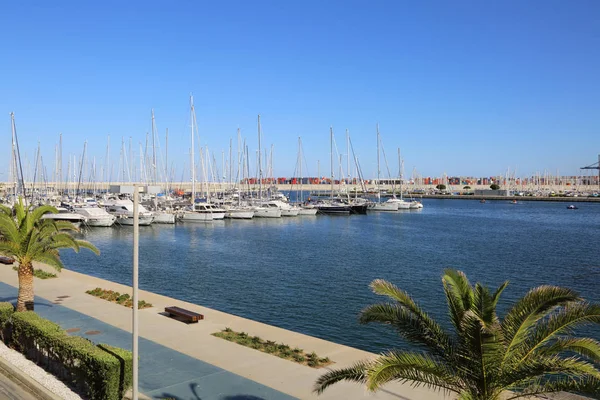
<point>6,260</point>
<point>183,315</point>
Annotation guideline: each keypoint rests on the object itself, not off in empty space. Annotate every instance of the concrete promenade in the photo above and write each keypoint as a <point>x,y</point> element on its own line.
<point>182,361</point>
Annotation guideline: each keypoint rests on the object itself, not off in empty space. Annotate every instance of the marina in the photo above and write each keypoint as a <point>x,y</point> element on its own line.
<point>302,269</point>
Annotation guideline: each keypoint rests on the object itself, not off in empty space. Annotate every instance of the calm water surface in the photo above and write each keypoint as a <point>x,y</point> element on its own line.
<point>311,274</point>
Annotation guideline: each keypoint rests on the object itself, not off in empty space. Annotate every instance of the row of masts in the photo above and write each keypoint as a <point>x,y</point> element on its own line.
<point>154,167</point>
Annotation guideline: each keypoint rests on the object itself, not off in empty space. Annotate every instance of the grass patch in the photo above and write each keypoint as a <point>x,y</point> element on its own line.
<point>116,297</point>
<point>280,350</point>
<point>40,273</point>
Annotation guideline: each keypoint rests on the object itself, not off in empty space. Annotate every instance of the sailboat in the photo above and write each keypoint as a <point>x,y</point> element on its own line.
<point>262,209</point>
<point>403,204</point>
<point>161,216</point>
<point>303,208</point>
<point>389,205</point>
<point>333,206</point>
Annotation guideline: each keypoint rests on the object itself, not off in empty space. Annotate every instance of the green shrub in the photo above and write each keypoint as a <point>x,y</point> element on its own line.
<point>99,372</point>
<point>271,347</point>
<point>6,311</point>
<point>125,359</point>
<point>116,297</point>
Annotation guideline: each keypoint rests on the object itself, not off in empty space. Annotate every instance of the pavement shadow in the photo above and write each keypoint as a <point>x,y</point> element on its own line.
<point>193,387</point>
<point>173,397</point>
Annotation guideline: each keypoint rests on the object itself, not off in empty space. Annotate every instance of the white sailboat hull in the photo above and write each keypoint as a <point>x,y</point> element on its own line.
<point>143,220</point>
<point>386,206</point>
<point>164,218</point>
<point>267,212</point>
<point>289,212</point>
<point>307,211</point>
<point>103,222</point>
<point>239,214</point>
<point>196,217</point>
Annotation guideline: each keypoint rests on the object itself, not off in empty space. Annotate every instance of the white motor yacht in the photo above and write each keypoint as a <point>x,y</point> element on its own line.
<point>287,210</point>
<point>203,212</point>
<point>96,216</point>
<point>66,215</point>
<point>123,210</point>
<point>267,211</point>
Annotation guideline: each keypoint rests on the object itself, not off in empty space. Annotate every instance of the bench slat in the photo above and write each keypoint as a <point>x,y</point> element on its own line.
<point>184,314</point>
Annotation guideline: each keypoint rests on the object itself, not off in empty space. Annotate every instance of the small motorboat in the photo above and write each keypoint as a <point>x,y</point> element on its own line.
<point>513,202</point>
<point>482,201</point>
<point>572,207</point>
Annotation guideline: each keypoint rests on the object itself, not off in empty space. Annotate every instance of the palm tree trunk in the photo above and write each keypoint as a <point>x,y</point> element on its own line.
<point>25,298</point>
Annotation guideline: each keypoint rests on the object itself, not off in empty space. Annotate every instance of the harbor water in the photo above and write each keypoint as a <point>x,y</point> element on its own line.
<point>311,274</point>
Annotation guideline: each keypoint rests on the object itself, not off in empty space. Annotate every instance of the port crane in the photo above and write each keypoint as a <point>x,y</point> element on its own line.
<point>595,165</point>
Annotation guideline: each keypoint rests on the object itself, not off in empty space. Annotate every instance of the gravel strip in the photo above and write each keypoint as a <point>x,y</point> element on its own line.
<point>30,368</point>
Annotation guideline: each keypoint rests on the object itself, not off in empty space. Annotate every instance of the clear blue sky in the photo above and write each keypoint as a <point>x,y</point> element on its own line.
<point>462,87</point>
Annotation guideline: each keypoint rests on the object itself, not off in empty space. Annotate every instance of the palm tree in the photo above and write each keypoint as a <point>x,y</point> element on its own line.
<point>27,237</point>
<point>531,351</point>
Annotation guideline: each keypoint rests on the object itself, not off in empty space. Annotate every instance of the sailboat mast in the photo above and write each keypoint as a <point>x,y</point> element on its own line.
<point>130,167</point>
<point>193,120</point>
<point>18,165</point>
<point>59,179</point>
<point>154,170</point>
<point>259,162</point>
<point>400,172</point>
<point>348,155</point>
<point>331,151</point>
<point>300,162</point>
<point>167,177</point>
<point>230,162</point>
<point>378,171</point>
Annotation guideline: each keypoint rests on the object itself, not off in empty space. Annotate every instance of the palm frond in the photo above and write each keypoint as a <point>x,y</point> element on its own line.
<point>52,260</point>
<point>586,347</point>
<point>40,211</point>
<point>436,334</point>
<point>418,369</point>
<point>409,325</point>
<point>586,385</point>
<point>356,373</point>
<point>4,210</point>
<point>459,295</point>
<point>565,320</point>
<point>87,245</point>
<point>10,249</point>
<point>531,371</point>
<point>532,307</point>
<point>498,292</point>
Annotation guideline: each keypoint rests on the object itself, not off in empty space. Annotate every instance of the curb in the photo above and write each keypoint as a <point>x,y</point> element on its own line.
<point>26,382</point>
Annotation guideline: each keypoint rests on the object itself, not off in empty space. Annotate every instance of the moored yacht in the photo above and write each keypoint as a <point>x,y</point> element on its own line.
<point>202,212</point>
<point>334,208</point>
<point>267,211</point>
<point>96,216</point>
<point>388,205</point>
<point>308,209</point>
<point>164,217</point>
<point>287,210</point>
<point>66,215</point>
<point>123,210</point>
